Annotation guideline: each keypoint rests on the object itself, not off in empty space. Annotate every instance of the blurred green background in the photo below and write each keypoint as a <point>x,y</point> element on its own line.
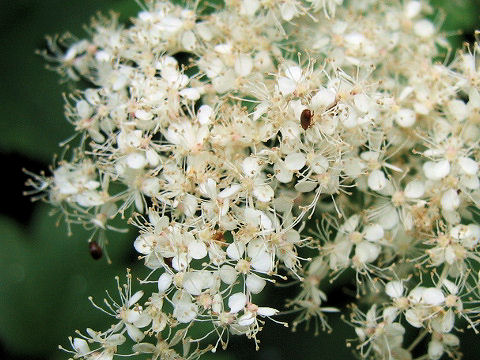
<point>46,276</point>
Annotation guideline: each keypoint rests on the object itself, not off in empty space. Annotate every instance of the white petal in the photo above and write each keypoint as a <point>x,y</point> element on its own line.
<point>433,296</point>
<point>436,170</point>
<point>451,287</point>
<point>80,346</point>
<point>136,160</point>
<point>229,191</point>
<point>193,283</point>
<point>377,180</point>
<point>414,189</point>
<point>228,274</point>
<point>263,193</point>
<point>350,224</point>
<point>143,115</point>
<point>246,319</point>
<point>435,350</point>
<point>288,11</point>
<point>405,117</point>
<point>282,173</point>
<point>249,7</point>
<point>394,289</point>
<point>190,205</point>
<point>367,252</point>
<point>262,262</point>
<point>412,9</point>
<point>235,250</point>
<point>413,319</point>
<point>295,161</point>
<point>458,109</point>
<point>83,109</point>
<point>143,321</point>
<point>204,114</point>
<point>255,284</point>
<point>189,40</point>
<point>132,315</point>
<point>294,72</point>
<point>134,333</point>
<point>180,262</point>
<point>286,86</point>
<point>152,157</point>
<point>306,186</point>
<point>323,98</point>
<point>468,165</point>
<point>450,200</point>
<point>389,218</point>
<point>319,164</point>
<point>424,28</point>
<point>144,348</point>
<point>142,245</point>
<point>190,94</point>
<point>237,302</point>
<point>135,297</point>
<point>164,282</point>
<point>415,295</point>
<point>243,65</point>
<point>370,156</point>
<point>197,249</point>
<point>209,188</point>
<point>266,311</point>
<point>250,166</point>
<point>373,232</point>
<point>362,102</point>
<point>185,312</point>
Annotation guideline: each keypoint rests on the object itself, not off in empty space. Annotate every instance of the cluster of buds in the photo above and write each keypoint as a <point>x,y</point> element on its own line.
<point>258,141</point>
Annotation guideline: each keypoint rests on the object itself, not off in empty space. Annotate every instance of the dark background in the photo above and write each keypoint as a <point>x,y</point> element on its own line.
<point>45,275</point>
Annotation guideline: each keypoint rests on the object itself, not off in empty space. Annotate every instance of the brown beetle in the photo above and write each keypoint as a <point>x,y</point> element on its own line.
<point>306,119</point>
<point>95,250</point>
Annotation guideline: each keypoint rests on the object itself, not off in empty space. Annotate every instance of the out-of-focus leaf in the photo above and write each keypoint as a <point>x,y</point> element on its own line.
<point>30,95</point>
<point>45,280</point>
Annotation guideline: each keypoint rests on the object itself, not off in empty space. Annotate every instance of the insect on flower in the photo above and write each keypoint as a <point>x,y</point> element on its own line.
<point>95,250</point>
<point>306,119</point>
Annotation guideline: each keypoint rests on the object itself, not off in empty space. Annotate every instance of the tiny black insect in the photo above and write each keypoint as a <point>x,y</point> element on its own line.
<point>306,119</point>
<point>95,250</point>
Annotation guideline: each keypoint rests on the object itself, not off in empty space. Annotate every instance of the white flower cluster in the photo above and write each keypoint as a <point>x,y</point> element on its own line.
<point>259,140</point>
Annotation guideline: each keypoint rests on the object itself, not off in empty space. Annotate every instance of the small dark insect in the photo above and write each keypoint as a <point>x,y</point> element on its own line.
<point>306,119</point>
<point>95,250</point>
